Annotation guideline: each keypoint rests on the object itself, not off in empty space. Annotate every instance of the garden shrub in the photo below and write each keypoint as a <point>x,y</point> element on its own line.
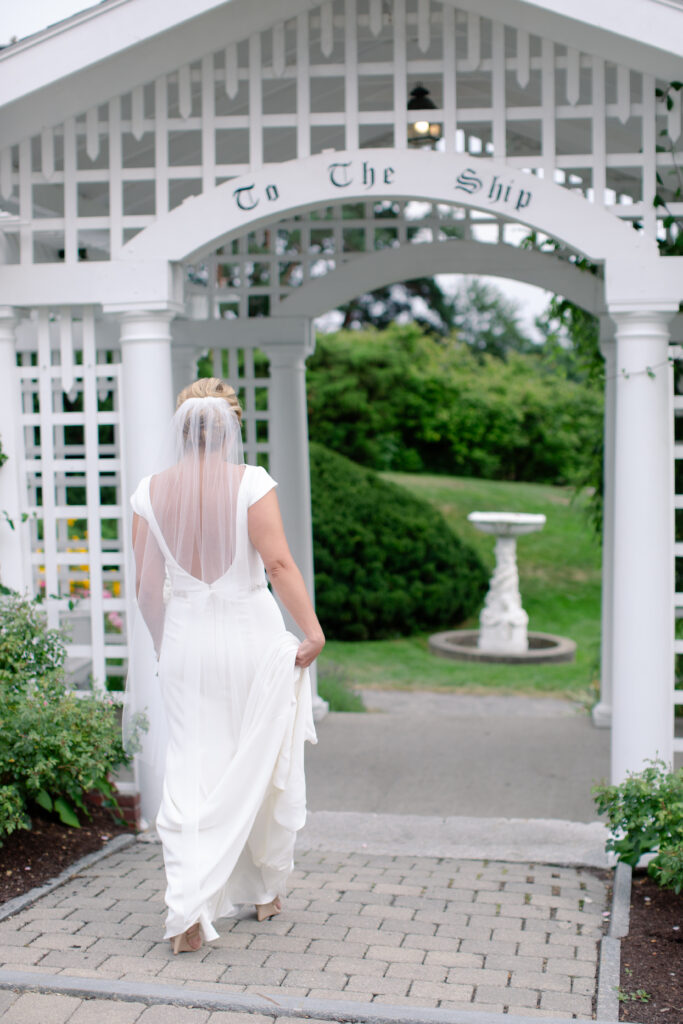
<point>386,562</point>
<point>54,746</point>
<point>402,400</point>
<point>645,814</point>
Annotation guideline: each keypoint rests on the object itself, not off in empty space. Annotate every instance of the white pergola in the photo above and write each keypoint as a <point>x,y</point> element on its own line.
<point>211,175</point>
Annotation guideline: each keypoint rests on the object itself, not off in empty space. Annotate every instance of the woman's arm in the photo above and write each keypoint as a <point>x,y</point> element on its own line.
<point>267,534</point>
<point>149,579</point>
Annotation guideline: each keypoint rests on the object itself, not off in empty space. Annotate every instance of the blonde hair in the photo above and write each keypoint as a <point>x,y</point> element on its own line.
<point>211,387</point>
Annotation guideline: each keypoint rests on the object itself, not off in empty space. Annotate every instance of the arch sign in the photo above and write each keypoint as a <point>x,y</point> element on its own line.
<point>204,222</point>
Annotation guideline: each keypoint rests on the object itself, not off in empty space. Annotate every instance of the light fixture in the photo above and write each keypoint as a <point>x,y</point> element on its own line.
<point>422,131</point>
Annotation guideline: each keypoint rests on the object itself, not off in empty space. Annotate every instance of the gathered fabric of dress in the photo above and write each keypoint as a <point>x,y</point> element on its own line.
<point>228,709</point>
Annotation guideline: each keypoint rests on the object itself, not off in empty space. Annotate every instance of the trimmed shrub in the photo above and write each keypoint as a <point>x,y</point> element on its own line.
<point>54,746</point>
<point>401,400</point>
<point>386,563</point>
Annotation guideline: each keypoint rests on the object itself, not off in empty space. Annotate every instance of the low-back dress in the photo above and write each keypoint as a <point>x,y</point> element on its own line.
<point>238,712</point>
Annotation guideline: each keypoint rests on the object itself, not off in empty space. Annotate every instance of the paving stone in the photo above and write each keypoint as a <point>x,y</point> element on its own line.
<point>173,1015</point>
<point>6,999</point>
<point>395,954</point>
<point>106,1011</point>
<point>420,990</point>
<point>21,954</point>
<point>59,958</point>
<point>417,972</point>
<point>583,986</point>
<point>564,1001</point>
<point>532,964</point>
<point>378,986</point>
<point>541,981</point>
<point>450,958</point>
<point>325,931</point>
<point>317,979</point>
<point>245,975</point>
<point>575,968</point>
<point>255,957</point>
<point>506,996</point>
<point>125,964</point>
<point>297,961</point>
<point>34,1007</point>
<point>477,976</point>
<point>382,938</point>
<point>356,965</point>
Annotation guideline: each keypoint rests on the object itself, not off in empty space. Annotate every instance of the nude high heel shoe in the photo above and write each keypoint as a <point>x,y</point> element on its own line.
<point>188,941</point>
<point>266,910</point>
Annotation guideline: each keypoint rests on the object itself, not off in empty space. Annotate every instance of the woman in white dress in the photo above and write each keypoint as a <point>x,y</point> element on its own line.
<point>235,705</point>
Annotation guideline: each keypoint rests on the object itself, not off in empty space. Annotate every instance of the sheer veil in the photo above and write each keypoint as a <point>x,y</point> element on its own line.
<point>184,540</point>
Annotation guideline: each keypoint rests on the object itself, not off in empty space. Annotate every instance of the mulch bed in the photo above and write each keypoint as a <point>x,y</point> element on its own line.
<point>652,955</point>
<point>29,858</point>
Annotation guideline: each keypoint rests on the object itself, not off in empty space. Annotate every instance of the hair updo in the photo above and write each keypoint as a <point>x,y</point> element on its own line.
<point>211,387</point>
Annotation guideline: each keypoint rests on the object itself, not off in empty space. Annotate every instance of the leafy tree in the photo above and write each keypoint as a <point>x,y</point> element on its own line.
<point>400,399</point>
<point>486,321</point>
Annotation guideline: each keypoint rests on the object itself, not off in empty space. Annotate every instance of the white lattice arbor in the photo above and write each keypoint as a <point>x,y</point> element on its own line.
<point>216,173</point>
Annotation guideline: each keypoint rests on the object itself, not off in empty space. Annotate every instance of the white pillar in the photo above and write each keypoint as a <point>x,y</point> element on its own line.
<point>14,568</point>
<point>146,408</point>
<point>643,622</point>
<point>146,390</point>
<point>289,465</point>
<point>602,712</point>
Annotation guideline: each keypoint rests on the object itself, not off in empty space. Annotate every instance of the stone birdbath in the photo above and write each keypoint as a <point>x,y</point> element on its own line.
<point>503,622</point>
<point>503,634</point>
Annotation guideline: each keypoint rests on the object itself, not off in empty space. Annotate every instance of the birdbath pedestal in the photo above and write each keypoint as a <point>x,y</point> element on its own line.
<point>503,621</point>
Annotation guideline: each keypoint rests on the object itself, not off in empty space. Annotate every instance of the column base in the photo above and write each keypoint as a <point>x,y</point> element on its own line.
<point>320,708</point>
<point>602,715</point>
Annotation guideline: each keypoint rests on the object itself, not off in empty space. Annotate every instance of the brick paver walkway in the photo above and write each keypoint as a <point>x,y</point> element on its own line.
<point>420,931</point>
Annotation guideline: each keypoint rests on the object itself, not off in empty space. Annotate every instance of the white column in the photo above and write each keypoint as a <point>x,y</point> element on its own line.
<point>643,612</point>
<point>288,433</point>
<point>146,390</point>
<point>602,712</point>
<point>14,569</point>
<point>146,409</point>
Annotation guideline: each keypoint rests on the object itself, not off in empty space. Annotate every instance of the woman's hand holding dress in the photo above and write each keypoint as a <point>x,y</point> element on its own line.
<point>267,534</point>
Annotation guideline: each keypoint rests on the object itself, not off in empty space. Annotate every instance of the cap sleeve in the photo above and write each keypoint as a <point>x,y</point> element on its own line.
<point>137,499</point>
<point>259,483</point>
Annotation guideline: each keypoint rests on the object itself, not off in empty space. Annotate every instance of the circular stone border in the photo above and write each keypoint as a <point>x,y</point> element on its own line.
<point>461,645</point>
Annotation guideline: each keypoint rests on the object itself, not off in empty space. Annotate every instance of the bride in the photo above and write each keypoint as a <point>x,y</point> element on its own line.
<point>230,705</point>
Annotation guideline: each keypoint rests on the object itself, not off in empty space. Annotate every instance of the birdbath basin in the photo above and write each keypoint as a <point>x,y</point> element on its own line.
<point>503,621</point>
<point>507,524</point>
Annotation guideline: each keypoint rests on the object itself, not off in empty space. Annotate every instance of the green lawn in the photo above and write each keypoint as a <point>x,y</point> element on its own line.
<point>559,572</point>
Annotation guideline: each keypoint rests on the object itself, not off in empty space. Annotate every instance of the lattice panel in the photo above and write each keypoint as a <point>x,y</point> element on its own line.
<point>246,368</point>
<point>339,77</point>
<point>74,491</point>
<point>255,273</point>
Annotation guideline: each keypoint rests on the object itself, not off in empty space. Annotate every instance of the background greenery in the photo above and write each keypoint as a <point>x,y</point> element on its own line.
<point>386,561</point>
<point>560,584</point>
<point>401,399</point>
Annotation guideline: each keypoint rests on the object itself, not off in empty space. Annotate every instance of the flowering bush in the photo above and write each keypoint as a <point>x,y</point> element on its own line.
<point>55,746</point>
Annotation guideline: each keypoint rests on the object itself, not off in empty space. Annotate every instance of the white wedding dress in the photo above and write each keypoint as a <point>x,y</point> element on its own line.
<point>238,712</point>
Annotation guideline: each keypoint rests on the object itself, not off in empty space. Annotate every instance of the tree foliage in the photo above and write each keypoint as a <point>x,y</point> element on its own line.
<point>402,400</point>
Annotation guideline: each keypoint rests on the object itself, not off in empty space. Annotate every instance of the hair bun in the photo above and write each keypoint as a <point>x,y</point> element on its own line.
<point>211,387</point>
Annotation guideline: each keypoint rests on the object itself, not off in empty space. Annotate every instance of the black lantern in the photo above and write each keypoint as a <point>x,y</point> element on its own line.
<point>422,131</point>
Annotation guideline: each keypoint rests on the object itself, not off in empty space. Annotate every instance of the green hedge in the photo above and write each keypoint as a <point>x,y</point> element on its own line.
<point>401,400</point>
<point>386,563</point>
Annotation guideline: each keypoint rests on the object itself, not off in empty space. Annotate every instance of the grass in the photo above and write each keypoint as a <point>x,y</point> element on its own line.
<point>559,570</point>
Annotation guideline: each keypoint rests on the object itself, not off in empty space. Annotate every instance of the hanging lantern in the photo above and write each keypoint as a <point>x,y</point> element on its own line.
<point>422,131</point>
